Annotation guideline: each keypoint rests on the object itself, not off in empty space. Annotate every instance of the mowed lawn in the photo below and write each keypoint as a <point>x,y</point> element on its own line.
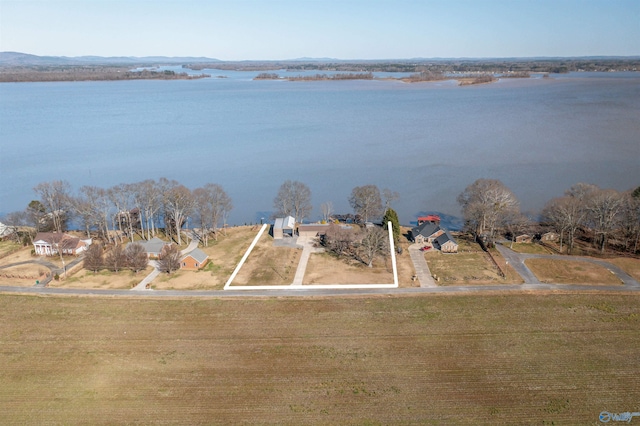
<point>480,359</point>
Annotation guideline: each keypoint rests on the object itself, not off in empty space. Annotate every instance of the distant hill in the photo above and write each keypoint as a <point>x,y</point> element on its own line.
<point>18,59</point>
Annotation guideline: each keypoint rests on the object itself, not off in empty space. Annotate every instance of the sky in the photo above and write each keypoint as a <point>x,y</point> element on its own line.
<point>343,29</point>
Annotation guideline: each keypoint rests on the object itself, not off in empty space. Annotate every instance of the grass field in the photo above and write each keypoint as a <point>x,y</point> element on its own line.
<point>481,359</point>
<point>561,271</point>
<point>470,266</point>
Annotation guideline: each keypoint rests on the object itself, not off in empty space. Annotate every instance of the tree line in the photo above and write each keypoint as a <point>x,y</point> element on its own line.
<point>141,208</point>
<point>584,211</point>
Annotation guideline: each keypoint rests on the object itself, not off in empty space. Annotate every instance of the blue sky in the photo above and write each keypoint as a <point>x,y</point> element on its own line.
<point>343,29</point>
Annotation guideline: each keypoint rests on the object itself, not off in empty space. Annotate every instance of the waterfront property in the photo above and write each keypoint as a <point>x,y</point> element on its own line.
<point>52,243</point>
<point>430,234</point>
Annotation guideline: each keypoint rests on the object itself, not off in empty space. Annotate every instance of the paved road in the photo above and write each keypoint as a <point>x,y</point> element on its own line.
<point>517,260</point>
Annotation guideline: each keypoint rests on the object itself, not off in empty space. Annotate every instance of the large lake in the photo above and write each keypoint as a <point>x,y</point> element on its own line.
<point>426,141</point>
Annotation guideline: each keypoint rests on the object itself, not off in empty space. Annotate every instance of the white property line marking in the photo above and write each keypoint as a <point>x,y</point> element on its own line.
<point>314,286</point>
<point>253,244</point>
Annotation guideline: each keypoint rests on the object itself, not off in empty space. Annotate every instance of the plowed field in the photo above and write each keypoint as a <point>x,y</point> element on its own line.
<point>481,359</point>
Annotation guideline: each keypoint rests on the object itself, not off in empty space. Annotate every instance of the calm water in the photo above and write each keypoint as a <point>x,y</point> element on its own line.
<point>425,141</point>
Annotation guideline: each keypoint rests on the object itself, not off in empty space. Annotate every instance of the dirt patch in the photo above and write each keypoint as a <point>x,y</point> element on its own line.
<point>326,268</point>
<point>560,271</point>
<point>104,279</point>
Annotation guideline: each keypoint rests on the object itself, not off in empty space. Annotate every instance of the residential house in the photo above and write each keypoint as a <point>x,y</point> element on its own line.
<point>426,233</point>
<point>524,238</point>
<point>445,243</point>
<point>52,243</point>
<point>153,247</point>
<point>550,236</point>
<point>194,260</point>
<point>430,234</point>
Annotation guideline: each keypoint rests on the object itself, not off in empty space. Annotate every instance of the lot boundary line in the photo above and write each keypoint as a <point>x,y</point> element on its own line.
<point>392,251</point>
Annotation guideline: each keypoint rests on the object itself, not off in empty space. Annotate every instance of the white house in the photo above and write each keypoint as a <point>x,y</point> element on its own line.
<point>51,243</point>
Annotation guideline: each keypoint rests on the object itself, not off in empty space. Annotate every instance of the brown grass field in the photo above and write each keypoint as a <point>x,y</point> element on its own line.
<point>480,359</point>
<point>562,271</point>
<point>470,266</point>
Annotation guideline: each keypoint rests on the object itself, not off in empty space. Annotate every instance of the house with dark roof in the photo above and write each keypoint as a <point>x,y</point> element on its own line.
<point>431,234</point>
<point>445,243</point>
<point>52,243</point>
<point>194,260</point>
<point>426,232</point>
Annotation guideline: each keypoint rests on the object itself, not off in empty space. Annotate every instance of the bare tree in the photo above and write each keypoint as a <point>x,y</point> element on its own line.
<point>55,198</point>
<point>37,216</point>
<point>339,239</point>
<point>120,196</point>
<point>293,199</point>
<point>86,207</point>
<point>568,213</point>
<point>327,210</point>
<point>374,243</point>
<point>147,196</point>
<point>169,259</point>
<point>93,258</point>
<point>604,210</point>
<point>630,219</point>
<point>211,206</point>
<point>136,257</point>
<point>115,259</point>
<point>516,223</point>
<point>389,197</point>
<point>485,204</point>
<point>366,202</point>
<point>178,205</point>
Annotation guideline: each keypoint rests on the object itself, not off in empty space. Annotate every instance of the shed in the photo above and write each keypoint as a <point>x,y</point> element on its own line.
<point>283,226</point>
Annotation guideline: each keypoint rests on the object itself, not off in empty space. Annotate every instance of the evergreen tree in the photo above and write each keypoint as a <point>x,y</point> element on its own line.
<point>391,216</point>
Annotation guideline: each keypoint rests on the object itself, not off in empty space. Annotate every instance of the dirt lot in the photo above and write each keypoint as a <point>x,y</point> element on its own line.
<point>560,271</point>
<point>481,359</point>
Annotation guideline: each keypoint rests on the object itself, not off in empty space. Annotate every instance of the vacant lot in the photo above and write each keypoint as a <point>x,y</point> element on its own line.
<point>385,360</point>
<point>268,264</point>
<point>326,268</point>
<point>470,265</point>
<point>560,271</point>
